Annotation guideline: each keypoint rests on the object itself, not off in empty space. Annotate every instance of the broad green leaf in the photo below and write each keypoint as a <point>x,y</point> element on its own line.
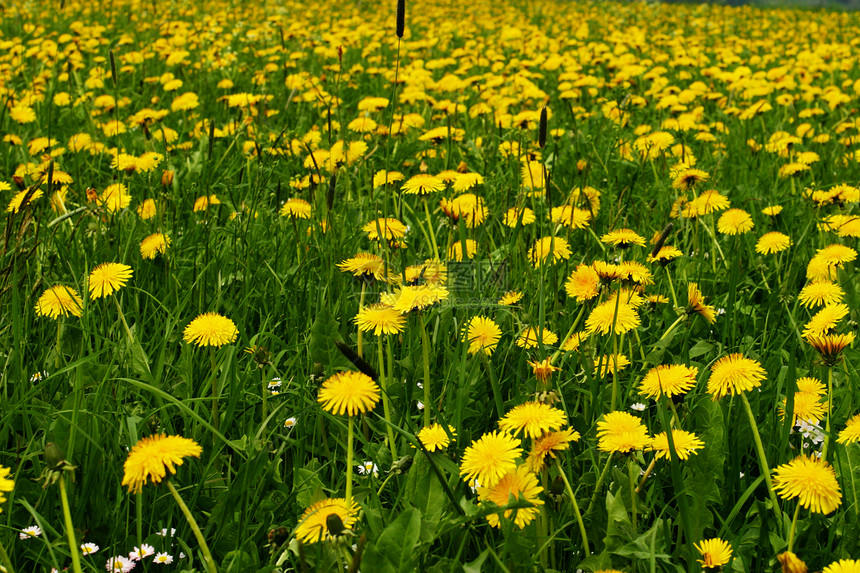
<point>394,551</point>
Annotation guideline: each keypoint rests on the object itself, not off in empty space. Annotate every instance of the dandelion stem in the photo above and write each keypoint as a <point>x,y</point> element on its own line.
<point>570,332</point>
<point>494,385</point>
<point>672,326</point>
<point>215,415</point>
<point>361,306</point>
<point>4,559</point>
<point>425,358</point>
<point>793,529</point>
<point>765,469</point>
<point>614,400</point>
<point>350,456</point>
<point>576,512</point>
<point>192,523</point>
<point>647,473</point>
<point>386,403</point>
<point>672,287</point>
<point>432,231</point>
<point>826,445</point>
<point>70,529</point>
<point>632,466</point>
<point>122,318</point>
<point>265,393</point>
<point>138,512</point>
<point>599,483</point>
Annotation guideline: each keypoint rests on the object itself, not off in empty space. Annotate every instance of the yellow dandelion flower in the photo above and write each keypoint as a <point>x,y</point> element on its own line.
<point>153,245</point>
<point>791,563</point>
<point>546,447</point>
<point>553,248</point>
<point>529,337</point>
<point>696,304</point>
<point>210,329</point>
<point>612,315</point>
<point>381,319</point>
<point>735,222</point>
<point>108,278</point>
<point>533,419</point>
<point>482,334</point>
<point>715,552</point>
<point>519,482</point>
<point>851,433</point>
<point>511,297</point>
<point>772,242</point>
<point>610,363</point>
<point>348,392</point>
<point>313,523</point>
<point>583,283</point>
<point>514,216</point>
<point>422,184</point>
<point>490,457</point>
<point>811,480</point>
<point>734,374</point>
<point>621,432</point>
<point>59,300</point>
<point>115,197</point>
<point>843,566</point>
<point>825,320</point>
<point>686,443</point>
<point>295,208</point>
<point>435,437</point>
<point>830,346</point>
<point>669,380</point>
<point>18,200</point>
<point>151,458</point>
<point>818,293</point>
<point>389,228</point>
<point>623,238</point>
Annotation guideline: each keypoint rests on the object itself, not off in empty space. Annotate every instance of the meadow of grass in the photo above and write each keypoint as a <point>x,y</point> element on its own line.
<point>297,286</point>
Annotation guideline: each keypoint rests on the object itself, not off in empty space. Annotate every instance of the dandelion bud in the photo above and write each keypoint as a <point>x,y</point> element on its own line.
<point>54,456</point>
<point>112,68</point>
<point>542,128</point>
<point>662,239</point>
<point>334,524</point>
<point>401,17</point>
<point>329,198</point>
<point>167,178</point>
<point>318,369</point>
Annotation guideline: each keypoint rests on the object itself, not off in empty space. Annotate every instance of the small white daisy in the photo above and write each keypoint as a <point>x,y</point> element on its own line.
<point>143,551</point>
<point>89,548</point>
<point>28,532</point>
<point>638,406</point>
<point>474,485</point>
<point>163,559</point>
<point>289,422</point>
<point>119,564</point>
<point>367,468</point>
<point>38,376</point>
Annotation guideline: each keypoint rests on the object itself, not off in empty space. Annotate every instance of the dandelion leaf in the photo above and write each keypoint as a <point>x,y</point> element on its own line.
<point>394,550</point>
<point>322,347</point>
<point>424,491</point>
<point>705,468</point>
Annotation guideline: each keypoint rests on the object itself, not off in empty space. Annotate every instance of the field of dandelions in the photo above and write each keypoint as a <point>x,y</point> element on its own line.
<point>445,287</point>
